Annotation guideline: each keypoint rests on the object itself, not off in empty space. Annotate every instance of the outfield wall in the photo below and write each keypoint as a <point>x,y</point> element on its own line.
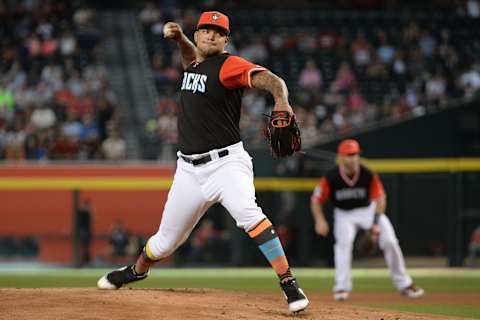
<point>433,205</point>
<point>48,213</point>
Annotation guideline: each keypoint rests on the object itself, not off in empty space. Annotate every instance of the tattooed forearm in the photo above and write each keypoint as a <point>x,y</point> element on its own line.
<point>270,82</point>
<point>187,50</point>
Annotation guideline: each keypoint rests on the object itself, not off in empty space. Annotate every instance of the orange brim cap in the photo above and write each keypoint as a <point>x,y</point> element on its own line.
<point>214,18</point>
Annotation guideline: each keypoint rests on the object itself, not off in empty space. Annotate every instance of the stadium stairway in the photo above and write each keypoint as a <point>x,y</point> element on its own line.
<point>129,74</point>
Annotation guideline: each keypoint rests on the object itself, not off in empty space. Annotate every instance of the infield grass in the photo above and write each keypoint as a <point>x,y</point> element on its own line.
<point>448,281</point>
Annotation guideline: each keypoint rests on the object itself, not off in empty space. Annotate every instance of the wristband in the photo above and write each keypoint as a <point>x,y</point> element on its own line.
<point>375,218</point>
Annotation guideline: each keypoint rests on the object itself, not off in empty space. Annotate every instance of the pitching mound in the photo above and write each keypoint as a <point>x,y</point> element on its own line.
<point>154,304</point>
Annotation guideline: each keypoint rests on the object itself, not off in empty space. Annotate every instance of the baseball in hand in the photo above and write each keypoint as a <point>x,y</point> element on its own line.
<point>169,30</point>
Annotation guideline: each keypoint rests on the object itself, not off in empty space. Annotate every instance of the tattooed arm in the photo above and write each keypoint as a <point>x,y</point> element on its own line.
<point>173,31</point>
<point>272,83</point>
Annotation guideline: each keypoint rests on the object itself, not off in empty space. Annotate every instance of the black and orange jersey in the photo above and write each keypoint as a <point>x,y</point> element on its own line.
<point>348,193</point>
<point>211,99</point>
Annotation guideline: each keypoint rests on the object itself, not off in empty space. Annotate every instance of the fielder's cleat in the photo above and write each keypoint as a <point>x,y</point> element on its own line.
<point>413,292</point>
<point>117,278</point>
<point>341,295</point>
<point>296,298</point>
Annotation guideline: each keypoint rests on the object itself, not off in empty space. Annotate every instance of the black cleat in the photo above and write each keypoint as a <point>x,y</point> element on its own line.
<point>117,278</point>
<point>296,298</point>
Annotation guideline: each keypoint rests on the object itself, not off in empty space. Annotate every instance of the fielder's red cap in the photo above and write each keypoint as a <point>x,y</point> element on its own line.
<point>214,18</point>
<point>349,146</point>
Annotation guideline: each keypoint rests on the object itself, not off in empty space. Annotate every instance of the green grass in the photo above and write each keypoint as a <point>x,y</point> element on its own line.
<point>450,281</point>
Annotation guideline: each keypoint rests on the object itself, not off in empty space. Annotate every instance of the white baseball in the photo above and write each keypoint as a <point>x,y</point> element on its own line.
<point>167,31</point>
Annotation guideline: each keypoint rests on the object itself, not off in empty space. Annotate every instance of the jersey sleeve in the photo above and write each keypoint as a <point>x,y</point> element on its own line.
<point>237,72</point>
<point>376,188</point>
<point>321,193</point>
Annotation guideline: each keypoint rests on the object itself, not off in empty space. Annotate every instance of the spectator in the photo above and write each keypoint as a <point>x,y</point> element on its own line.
<point>355,99</point>
<point>469,81</point>
<point>427,44</point>
<point>256,51</point>
<point>14,142</point>
<point>328,40</point>
<point>310,77</point>
<point>167,127</point>
<point>309,129</point>
<point>7,103</point>
<point>119,240</point>
<point>386,52</point>
<point>307,42</point>
<point>68,44</point>
<point>435,89</point>
<point>43,117</point>
<point>63,148</point>
<point>473,9</point>
<point>72,127</point>
<point>361,50</point>
<point>164,75</point>
<point>377,69</point>
<point>52,75</point>
<point>344,80</point>
<point>35,148</point>
<point>256,102</point>
<point>399,67</point>
<point>150,13</point>
<point>114,147</point>
<point>474,248</point>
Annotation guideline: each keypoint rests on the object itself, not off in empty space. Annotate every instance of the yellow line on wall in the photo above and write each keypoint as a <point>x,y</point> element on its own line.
<point>423,165</point>
<point>101,183</point>
<point>261,184</point>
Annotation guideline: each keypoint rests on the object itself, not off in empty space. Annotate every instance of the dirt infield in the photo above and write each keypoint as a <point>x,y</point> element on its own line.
<point>154,304</point>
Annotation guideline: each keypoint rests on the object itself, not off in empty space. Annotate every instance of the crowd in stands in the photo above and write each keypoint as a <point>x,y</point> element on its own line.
<point>55,102</point>
<point>346,70</point>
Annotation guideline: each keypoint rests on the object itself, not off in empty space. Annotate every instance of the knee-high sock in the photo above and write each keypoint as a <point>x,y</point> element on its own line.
<point>269,243</point>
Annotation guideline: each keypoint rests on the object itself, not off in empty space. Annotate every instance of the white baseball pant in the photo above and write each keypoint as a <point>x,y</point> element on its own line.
<point>346,225</point>
<point>228,180</point>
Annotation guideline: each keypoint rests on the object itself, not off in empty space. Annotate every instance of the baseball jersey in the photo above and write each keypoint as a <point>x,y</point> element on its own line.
<point>211,99</point>
<point>348,193</point>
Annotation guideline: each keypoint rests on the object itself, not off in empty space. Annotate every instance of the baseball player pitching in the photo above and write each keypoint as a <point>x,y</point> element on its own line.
<point>359,202</point>
<point>212,164</point>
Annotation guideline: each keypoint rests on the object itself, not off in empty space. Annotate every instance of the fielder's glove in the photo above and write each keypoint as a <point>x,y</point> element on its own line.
<point>367,244</point>
<point>282,134</point>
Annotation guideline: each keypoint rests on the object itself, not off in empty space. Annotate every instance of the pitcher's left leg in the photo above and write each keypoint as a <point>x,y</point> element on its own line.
<point>238,197</point>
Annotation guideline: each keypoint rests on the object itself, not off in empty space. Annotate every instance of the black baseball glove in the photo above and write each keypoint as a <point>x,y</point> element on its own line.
<point>367,244</point>
<point>282,134</point>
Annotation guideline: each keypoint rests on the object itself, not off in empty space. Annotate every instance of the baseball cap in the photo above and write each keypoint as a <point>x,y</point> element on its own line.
<point>214,18</point>
<point>349,146</point>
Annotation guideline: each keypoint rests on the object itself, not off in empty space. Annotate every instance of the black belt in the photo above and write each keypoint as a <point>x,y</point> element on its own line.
<point>205,159</point>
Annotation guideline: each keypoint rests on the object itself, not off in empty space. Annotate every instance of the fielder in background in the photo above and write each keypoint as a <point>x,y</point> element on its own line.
<point>212,164</point>
<point>359,202</point>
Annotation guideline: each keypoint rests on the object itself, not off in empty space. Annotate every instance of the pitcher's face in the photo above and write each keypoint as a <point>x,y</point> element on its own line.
<point>210,40</point>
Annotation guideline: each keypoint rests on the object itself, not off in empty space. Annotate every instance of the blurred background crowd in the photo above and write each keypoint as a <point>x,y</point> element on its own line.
<point>55,102</point>
<point>347,70</point>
